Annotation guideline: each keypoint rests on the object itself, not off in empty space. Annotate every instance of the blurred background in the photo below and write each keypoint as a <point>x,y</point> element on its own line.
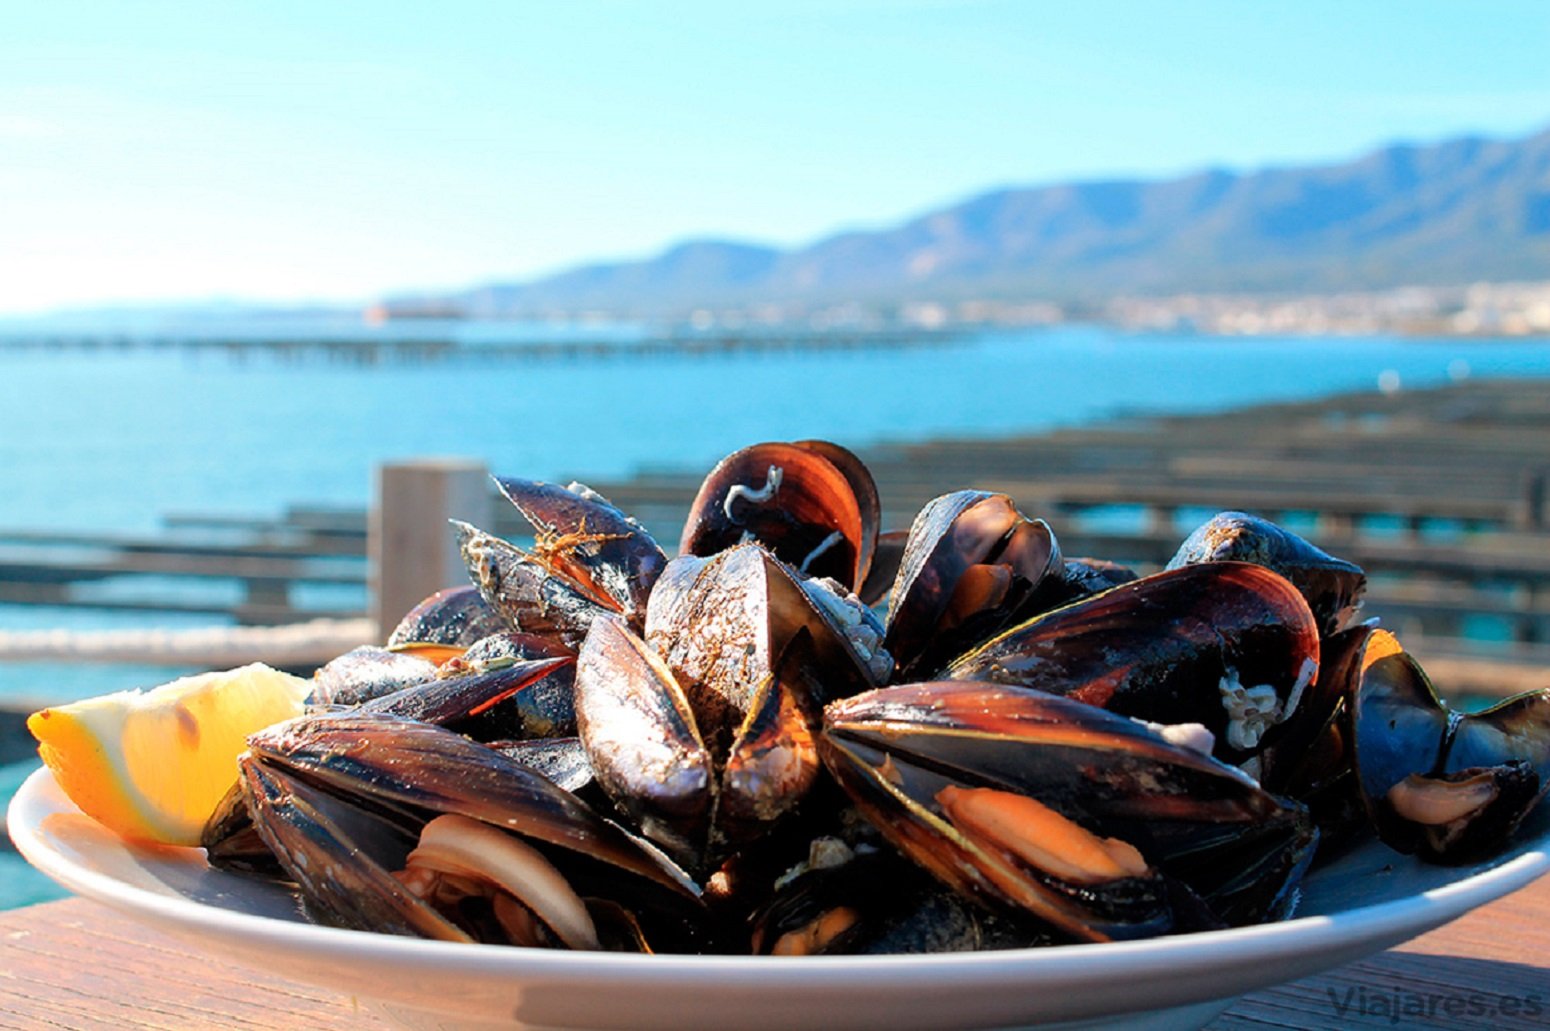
<point>1132,264</point>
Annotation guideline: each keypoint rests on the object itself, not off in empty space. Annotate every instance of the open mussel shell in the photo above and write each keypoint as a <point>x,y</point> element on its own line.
<point>811,503</point>
<point>1121,812</point>
<point>1228,645</point>
<point>396,764</point>
<point>972,564</point>
<point>340,856</point>
<point>1332,586</point>
<point>392,825</point>
<point>1313,757</point>
<point>457,616</point>
<point>1517,728</point>
<point>601,551</point>
<point>1401,725</point>
<point>878,903</point>
<point>864,488</point>
<point>449,877</point>
<point>530,597</point>
<point>1314,747</point>
<point>1449,786</point>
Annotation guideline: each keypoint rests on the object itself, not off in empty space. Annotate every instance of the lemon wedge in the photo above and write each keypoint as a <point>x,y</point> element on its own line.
<point>152,765</point>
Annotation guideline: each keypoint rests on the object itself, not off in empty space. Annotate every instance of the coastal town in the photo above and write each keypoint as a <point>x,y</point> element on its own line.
<point>1480,309</point>
<point>1484,309</point>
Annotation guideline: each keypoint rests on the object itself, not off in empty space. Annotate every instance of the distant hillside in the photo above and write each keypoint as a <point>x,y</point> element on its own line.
<point>1454,212</point>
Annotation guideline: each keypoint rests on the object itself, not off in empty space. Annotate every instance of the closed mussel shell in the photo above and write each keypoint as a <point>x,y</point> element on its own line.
<point>1332,586</point>
<point>457,616</point>
<point>643,738</point>
<point>523,698</point>
<point>367,672</point>
<point>1229,645</point>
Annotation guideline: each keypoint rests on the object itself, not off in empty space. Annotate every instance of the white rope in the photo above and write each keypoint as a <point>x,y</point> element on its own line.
<point>218,647</point>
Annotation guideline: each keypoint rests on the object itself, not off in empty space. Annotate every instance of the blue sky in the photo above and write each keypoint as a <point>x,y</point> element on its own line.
<point>154,151</point>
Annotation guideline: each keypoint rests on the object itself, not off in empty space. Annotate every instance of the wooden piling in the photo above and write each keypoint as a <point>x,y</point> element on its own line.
<point>412,549</point>
<point>1534,513</point>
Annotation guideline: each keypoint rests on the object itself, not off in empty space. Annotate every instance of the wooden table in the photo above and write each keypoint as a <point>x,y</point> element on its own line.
<point>76,964</point>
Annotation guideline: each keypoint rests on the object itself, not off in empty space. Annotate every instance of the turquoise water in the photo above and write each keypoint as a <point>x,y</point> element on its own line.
<point>111,441</point>
<point>20,884</point>
<point>114,440</point>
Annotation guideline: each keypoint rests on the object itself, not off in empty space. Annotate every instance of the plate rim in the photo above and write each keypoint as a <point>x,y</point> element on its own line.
<point>1407,916</point>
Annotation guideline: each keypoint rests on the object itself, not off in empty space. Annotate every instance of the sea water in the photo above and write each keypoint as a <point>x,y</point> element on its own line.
<point>114,440</point>
<point>110,441</point>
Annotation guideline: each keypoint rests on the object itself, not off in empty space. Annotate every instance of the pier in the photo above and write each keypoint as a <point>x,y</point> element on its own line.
<point>362,347</point>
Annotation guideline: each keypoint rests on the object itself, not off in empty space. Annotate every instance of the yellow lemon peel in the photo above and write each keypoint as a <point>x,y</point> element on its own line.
<point>151,765</point>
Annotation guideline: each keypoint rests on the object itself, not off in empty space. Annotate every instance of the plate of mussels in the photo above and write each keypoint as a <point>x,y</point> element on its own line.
<point>811,773</point>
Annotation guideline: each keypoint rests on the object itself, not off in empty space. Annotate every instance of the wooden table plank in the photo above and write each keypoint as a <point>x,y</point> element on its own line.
<point>1484,964</point>
<point>76,964</point>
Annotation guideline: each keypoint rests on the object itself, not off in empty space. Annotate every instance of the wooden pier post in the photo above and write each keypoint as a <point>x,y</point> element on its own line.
<point>1160,520</point>
<point>1335,524</point>
<point>413,552</point>
<point>1534,507</point>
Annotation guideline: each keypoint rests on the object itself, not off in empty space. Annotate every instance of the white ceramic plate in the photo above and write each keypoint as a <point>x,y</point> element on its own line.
<point>1368,901</point>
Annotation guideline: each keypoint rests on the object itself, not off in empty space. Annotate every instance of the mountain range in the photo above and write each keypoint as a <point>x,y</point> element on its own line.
<point>1455,212</point>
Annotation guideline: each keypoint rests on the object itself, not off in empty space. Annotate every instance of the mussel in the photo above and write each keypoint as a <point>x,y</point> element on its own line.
<point>605,554</point>
<point>972,565</point>
<point>456,616</point>
<point>840,901</point>
<point>1447,785</point>
<point>1090,822</point>
<point>1313,756</point>
<point>497,698</point>
<point>588,558</point>
<point>702,731</point>
<point>812,503</point>
<point>388,824</point>
<point>367,672</point>
<point>1332,586</point>
<point>1229,645</point>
